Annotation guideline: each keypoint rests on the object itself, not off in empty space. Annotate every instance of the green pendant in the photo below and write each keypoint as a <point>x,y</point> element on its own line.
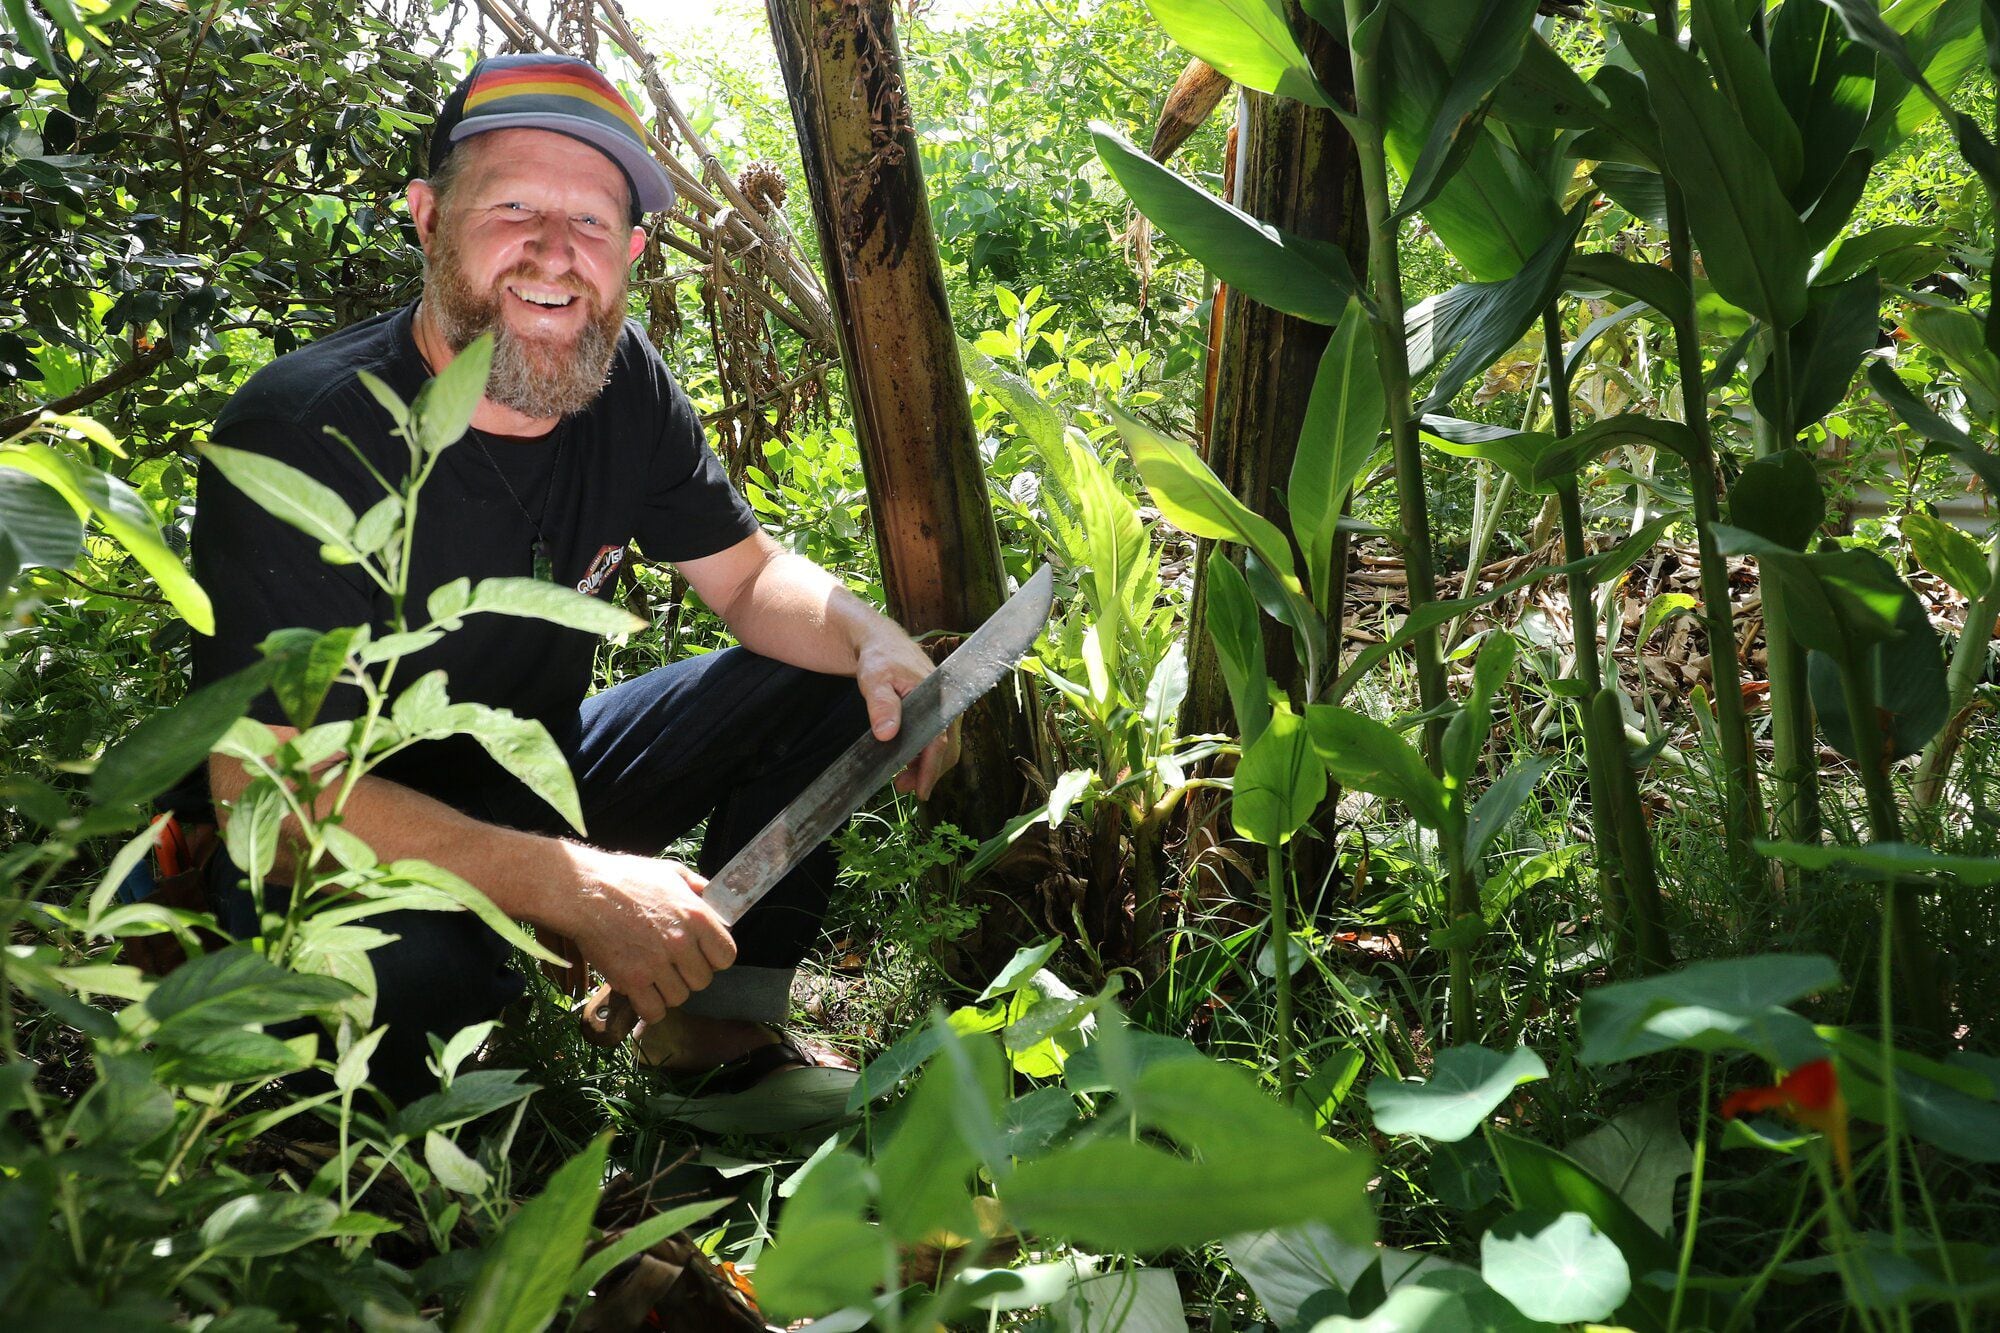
<point>545,569</point>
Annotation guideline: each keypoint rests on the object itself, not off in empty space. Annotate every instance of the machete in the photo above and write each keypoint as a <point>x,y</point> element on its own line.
<point>975,667</point>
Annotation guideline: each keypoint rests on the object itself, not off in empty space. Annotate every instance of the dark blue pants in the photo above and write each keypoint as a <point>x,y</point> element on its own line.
<point>730,737</point>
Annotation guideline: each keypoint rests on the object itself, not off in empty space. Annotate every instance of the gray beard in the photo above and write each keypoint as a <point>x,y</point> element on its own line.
<point>540,378</point>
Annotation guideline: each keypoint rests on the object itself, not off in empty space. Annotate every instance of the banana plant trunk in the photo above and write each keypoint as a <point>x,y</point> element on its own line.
<point>1296,168</point>
<point>934,532</point>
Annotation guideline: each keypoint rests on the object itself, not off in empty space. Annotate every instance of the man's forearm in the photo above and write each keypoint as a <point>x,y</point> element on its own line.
<point>529,877</point>
<point>788,608</point>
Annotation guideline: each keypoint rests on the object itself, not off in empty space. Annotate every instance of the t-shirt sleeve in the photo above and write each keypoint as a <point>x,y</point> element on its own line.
<point>264,575</point>
<point>691,509</point>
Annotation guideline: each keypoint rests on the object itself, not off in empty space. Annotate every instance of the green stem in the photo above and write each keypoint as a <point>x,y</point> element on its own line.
<point>1393,355</point>
<point>1795,750</point>
<point>1968,662</point>
<point>1583,618</point>
<point>1281,949</point>
<point>1694,1199</point>
<point>1461,904</point>
<point>1635,842</point>
<point>1742,813</point>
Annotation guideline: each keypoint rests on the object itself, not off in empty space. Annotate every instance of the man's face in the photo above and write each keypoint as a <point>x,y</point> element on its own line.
<point>533,245</point>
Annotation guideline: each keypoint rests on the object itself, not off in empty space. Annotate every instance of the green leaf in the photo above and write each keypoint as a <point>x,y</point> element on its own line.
<point>1841,325</point>
<point>34,37</point>
<point>1256,1165</point>
<point>1364,755</point>
<point>1778,497</point>
<point>1640,1154</point>
<point>637,1239</point>
<point>1039,422</point>
<point>520,1284</point>
<point>454,1169</point>
<point>1292,274</point>
<point>256,1226</point>
<point>1752,242</point>
<point>454,893</point>
<point>525,749</point>
<point>304,666</point>
<point>1118,550</point>
<point>391,401</point>
<point>1019,971</point>
<point>161,750</point>
<point>1744,75</point>
<point>1826,81</point>
<point>1248,40</point>
<point>1344,418</point>
<point>123,515</point>
<point>1839,600</point>
<point>287,494</point>
<point>1431,1305</point>
<point>1658,287</point>
<point>1467,1084</point>
<point>1493,46</point>
<point>1911,696</point>
<point>1729,1004</point>
<point>1958,337</point>
<point>470,1096</point>
<point>1543,1180</point>
<point>444,406</point>
<point>1886,858</point>
<point>1502,801</point>
<point>536,599</point>
<point>1279,783</point>
<point>233,988</point>
<point>925,1171</point>
<point>1558,1269</point>
<point>1466,735</point>
<point>1194,500</point>
<point>1231,617</point>
<point>38,524</point>
<point>1484,319</point>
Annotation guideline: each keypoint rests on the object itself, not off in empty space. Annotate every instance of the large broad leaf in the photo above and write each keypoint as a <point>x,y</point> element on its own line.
<point>1660,288</point>
<point>38,525</point>
<point>1129,1300</point>
<point>1248,40</point>
<point>1233,627</point>
<point>1946,551</point>
<point>1497,209</point>
<point>1502,801</point>
<point>1484,319</point>
<point>118,508</point>
<point>1567,457</point>
<point>1493,47</point>
<point>304,666</point>
<point>1344,418</point>
<point>1778,497</point>
<point>1744,75</point>
<point>1837,601</point>
<point>1959,337</point>
<point>1911,696</point>
<point>1255,1165</point>
<point>1735,1003</point>
<point>1364,755</point>
<point>166,746</point>
<point>1038,421</point>
<point>1466,735</point>
<point>1279,783</point>
<point>1543,1180</point>
<point>538,599</point>
<point>254,1226</point>
<point>1557,1268</point>
<point>1194,499</point>
<point>1120,555</point>
<point>1641,1154</point>
<point>925,1171</point>
<point>1841,324</point>
<point>1926,51</point>
<point>521,1282</point>
<point>1826,80</point>
<point>1752,242</point>
<point>1293,274</point>
<point>1467,1084</point>
<point>1448,1302</point>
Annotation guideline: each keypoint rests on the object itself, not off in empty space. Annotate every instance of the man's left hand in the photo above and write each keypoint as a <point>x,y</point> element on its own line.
<point>889,666</point>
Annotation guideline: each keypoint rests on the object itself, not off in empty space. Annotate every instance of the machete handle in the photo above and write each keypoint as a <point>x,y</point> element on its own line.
<point>607,1017</point>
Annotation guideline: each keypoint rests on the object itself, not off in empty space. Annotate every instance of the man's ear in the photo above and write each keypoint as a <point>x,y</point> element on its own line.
<point>638,243</point>
<point>423,201</point>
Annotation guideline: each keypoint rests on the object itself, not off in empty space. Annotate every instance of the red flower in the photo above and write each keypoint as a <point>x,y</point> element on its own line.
<point>1810,1096</point>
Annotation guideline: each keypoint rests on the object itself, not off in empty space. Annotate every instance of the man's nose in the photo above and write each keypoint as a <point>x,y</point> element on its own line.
<point>551,242</point>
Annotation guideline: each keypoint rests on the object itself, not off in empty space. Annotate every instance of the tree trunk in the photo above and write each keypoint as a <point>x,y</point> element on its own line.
<point>934,528</point>
<point>1296,169</point>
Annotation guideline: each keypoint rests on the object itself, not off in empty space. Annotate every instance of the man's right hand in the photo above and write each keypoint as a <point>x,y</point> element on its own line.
<point>643,924</point>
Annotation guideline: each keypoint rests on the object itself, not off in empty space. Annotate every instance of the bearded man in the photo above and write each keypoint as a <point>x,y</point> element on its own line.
<point>582,446</point>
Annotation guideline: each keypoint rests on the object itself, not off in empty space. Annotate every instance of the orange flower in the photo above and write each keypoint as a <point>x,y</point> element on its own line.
<point>1809,1095</point>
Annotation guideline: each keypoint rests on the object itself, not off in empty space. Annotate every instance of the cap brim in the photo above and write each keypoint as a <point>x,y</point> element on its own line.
<point>649,179</point>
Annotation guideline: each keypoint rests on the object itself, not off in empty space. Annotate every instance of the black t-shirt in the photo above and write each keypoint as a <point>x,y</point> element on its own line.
<point>631,468</point>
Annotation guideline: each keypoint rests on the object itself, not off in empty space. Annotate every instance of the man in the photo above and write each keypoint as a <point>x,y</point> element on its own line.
<point>582,444</point>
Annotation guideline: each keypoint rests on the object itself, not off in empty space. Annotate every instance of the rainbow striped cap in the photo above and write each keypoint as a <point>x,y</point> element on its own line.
<point>537,90</point>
